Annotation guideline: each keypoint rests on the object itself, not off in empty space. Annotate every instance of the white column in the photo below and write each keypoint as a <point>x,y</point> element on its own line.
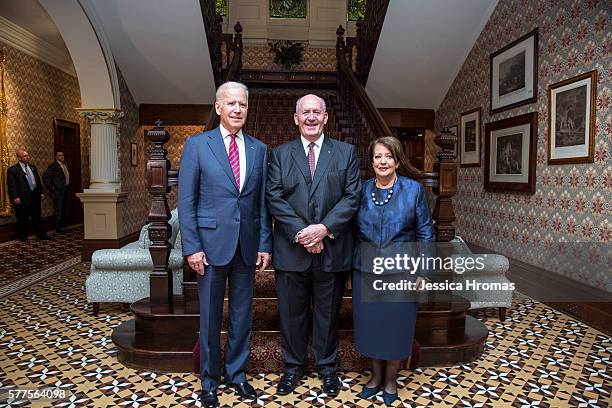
<point>104,158</point>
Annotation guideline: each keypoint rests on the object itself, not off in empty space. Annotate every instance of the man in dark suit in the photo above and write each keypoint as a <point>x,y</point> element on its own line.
<point>226,232</point>
<point>57,181</point>
<point>313,193</point>
<point>25,191</point>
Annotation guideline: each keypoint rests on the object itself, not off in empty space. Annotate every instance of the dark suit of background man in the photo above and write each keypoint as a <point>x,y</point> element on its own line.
<point>313,193</point>
<point>57,181</point>
<point>25,191</point>
<point>226,231</point>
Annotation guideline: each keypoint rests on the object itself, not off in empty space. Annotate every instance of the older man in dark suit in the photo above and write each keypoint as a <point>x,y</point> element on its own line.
<point>25,191</point>
<point>57,181</point>
<point>313,192</point>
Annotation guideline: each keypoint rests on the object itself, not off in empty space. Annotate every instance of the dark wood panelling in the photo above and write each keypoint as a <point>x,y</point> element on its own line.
<point>8,232</point>
<point>173,114</point>
<point>531,280</point>
<point>284,79</point>
<point>90,245</point>
<point>408,118</point>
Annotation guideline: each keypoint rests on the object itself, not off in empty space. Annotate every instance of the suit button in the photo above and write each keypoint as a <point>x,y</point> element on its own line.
<point>237,219</point>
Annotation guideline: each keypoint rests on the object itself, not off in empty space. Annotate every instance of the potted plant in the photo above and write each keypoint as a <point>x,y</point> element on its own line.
<point>287,53</point>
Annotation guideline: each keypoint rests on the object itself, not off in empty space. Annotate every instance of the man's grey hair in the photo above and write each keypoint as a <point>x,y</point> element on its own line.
<point>230,85</point>
<point>299,102</point>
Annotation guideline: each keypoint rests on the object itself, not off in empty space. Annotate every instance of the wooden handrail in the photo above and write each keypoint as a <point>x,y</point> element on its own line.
<point>374,121</point>
<point>368,34</point>
<point>213,25</point>
<point>377,121</point>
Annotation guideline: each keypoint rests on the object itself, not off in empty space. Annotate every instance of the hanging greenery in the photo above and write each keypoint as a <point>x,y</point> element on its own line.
<point>287,53</point>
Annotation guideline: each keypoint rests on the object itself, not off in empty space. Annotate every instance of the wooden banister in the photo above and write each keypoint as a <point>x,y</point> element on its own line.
<point>365,117</point>
<point>366,123</point>
<point>368,34</point>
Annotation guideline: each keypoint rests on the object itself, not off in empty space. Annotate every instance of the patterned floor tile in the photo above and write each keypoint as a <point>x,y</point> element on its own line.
<point>537,357</point>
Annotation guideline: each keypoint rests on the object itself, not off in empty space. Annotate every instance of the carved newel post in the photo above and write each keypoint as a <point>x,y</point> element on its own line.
<point>446,167</point>
<point>160,179</point>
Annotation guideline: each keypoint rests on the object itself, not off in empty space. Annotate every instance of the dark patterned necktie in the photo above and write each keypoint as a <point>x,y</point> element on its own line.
<point>311,159</point>
<point>234,159</point>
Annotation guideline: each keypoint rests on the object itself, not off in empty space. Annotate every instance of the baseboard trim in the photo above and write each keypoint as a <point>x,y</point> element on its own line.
<point>91,245</point>
<point>528,278</point>
<point>8,232</point>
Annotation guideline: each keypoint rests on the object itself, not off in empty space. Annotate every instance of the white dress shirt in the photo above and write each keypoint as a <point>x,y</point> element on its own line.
<point>317,147</point>
<point>241,151</point>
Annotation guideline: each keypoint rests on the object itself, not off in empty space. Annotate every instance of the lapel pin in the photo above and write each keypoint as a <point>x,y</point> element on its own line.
<point>329,151</point>
<point>252,147</point>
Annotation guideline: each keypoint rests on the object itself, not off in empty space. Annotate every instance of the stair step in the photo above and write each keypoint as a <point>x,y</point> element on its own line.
<point>172,353</point>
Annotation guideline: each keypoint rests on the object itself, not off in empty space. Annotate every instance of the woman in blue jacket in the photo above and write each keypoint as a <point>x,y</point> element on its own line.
<point>394,210</point>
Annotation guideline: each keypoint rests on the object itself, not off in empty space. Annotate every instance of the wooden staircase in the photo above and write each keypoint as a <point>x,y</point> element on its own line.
<point>164,329</point>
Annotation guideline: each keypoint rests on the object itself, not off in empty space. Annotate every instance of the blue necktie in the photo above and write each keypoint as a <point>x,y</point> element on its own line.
<point>30,177</point>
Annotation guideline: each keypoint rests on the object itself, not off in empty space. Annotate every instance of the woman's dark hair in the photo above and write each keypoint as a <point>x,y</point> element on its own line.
<point>395,147</point>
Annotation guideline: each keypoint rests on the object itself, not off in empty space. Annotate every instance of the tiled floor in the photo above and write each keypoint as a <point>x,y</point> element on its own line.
<point>537,357</point>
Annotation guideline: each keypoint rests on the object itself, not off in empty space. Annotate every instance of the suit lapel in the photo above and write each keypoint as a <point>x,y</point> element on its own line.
<point>215,142</point>
<point>300,159</point>
<point>325,157</point>
<point>249,151</point>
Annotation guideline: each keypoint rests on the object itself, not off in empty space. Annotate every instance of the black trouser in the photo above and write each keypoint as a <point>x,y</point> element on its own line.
<point>295,292</point>
<point>60,204</point>
<point>30,210</point>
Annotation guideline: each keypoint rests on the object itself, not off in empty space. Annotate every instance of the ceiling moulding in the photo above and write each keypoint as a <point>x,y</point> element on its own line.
<point>23,40</point>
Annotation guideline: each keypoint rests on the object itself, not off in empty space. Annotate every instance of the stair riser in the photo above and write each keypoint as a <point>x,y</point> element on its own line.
<point>266,356</point>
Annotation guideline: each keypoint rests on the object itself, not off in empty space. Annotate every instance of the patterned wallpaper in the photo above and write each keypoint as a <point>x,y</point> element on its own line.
<point>315,59</point>
<point>133,179</point>
<point>36,93</point>
<point>572,203</point>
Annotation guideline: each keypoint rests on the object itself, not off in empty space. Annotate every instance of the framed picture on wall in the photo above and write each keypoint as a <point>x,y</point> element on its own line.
<point>571,119</point>
<point>514,80</point>
<point>133,154</point>
<point>454,129</point>
<point>510,154</point>
<point>469,140</point>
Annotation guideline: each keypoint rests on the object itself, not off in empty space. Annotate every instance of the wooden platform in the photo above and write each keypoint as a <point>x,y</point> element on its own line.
<point>162,339</point>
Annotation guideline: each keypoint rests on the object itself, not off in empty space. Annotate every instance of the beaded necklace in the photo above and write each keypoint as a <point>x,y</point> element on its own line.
<point>387,198</point>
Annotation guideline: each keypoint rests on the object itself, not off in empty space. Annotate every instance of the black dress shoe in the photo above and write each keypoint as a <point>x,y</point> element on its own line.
<point>288,382</point>
<point>209,399</point>
<point>244,389</point>
<point>331,385</point>
<point>44,237</point>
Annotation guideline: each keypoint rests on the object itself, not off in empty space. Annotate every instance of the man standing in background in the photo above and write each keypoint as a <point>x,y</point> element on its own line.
<point>57,181</point>
<point>25,191</point>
